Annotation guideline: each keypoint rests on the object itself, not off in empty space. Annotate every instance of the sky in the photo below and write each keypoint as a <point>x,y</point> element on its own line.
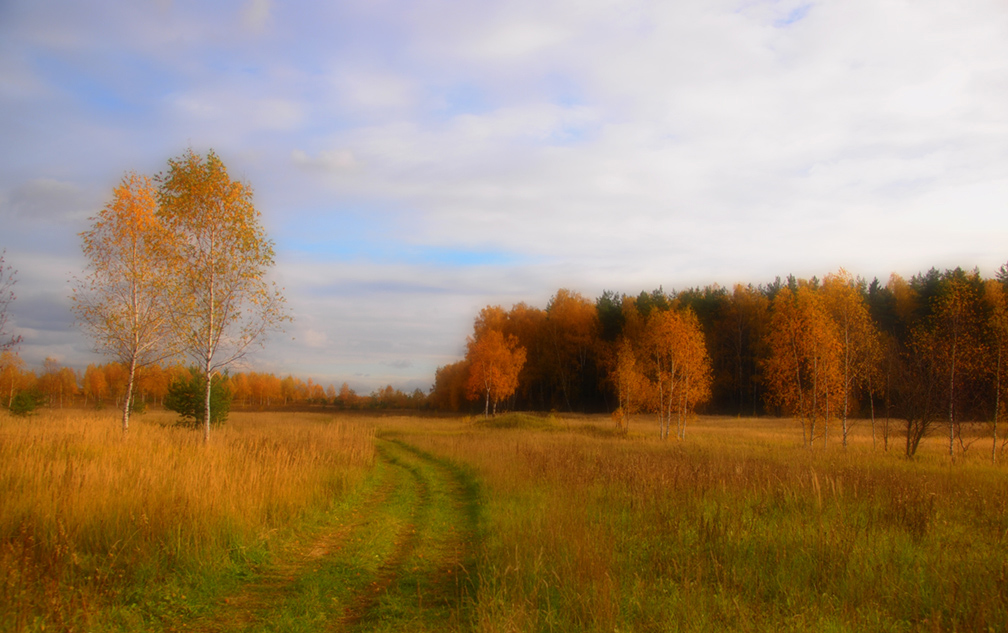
<point>415,161</point>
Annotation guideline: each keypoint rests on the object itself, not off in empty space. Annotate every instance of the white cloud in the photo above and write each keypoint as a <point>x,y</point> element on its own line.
<point>600,144</point>
<point>49,200</point>
<point>366,90</point>
<point>327,160</point>
<point>276,114</point>
<point>256,15</point>
<point>516,40</point>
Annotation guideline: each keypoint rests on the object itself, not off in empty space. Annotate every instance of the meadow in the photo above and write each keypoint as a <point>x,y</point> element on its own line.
<point>98,531</point>
<point>517,523</point>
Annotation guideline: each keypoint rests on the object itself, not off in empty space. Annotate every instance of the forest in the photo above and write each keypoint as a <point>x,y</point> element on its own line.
<point>921,352</point>
<point>909,354</point>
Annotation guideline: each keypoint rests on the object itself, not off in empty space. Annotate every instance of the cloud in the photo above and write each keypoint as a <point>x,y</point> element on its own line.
<point>314,338</point>
<point>276,114</point>
<point>369,91</point>
<point>399,364</point>
<point>48,200</point>
<point>416,162</point>
<point>332,160</point>
<point>517,40</point>
<point>256,15</point>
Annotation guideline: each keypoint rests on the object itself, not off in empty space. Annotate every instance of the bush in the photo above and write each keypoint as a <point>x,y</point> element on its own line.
<point>186,396</point>
<point>24,403</point>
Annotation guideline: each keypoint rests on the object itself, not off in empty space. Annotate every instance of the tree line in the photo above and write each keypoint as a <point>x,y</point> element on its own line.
<point>914,354</point>
<point>105,385</point>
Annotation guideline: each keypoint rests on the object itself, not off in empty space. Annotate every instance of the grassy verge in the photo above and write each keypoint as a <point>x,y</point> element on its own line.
<point>101,532</point>
<point>734,529</point>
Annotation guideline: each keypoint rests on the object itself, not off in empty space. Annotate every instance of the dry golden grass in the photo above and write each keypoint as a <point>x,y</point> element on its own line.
<point>740,527</point>
<point>90,518</point>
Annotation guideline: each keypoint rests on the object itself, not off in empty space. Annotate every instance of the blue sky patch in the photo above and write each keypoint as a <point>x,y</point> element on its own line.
<point>796,15</point>
<point>348,248</point>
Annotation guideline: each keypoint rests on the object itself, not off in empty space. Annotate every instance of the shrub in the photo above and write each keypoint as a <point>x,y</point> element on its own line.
<point>25,402</point>
<point>186,396</point>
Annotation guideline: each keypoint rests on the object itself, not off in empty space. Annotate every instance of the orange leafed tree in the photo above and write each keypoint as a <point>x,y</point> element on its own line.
<point>570,336</point>
<point>450,386</point>
<point>221,302</point>
<point>858,337</point>
<point>57,383</point>
<point>12,376</point>
<point>997,324</point>
<point>955,328</point>
<point>527,323</point>
<point>679,367</point>
<point>494,364</point>
<point>95,386</point>
<point>630,384</point>
<point>804,369</point>
<point>122,302</point>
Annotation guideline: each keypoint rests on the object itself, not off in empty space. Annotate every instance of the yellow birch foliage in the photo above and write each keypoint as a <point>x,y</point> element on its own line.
<point>804,369</point>
<point>630,384</point>
<point>679,368</point>
<point>221,301</point>
<point>494,365</point>
<point>860,349</point>
<point>121,301</point>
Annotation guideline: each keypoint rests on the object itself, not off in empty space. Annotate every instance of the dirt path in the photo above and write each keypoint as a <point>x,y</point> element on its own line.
<point>400,558</point>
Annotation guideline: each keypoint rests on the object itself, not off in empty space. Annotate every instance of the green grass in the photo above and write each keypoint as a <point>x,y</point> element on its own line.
<point>517,523</point>
<point>392,556</point>
<point>596,533</point>
<point>512,421</point>
<point>431,580</point>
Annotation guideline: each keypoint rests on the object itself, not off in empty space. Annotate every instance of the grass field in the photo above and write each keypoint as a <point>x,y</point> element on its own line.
<point>521,523</point>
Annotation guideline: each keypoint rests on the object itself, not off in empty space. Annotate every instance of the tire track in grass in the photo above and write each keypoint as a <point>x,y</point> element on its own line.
<point>405,545</point>
<point>425,584</point>
<point>401,558</point>
<point>259,600</point>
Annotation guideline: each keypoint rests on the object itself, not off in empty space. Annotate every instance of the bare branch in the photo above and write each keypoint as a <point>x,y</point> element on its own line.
<point>7,281</point>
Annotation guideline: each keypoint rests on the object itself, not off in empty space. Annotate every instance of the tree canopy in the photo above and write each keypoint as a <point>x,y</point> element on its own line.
<point>224,304</point>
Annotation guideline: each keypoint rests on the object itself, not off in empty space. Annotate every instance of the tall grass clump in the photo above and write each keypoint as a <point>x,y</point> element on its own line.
<point>98,530</point>
<point>739,528</point>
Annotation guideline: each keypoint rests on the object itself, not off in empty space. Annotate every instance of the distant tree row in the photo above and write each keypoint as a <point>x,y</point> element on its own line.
<point>101,385</point>
<point>927,352</point>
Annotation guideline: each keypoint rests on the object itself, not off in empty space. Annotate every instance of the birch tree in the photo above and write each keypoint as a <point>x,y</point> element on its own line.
<point>997,325</point>
<point>123,299</point>
<point>803,370</point>
<point>678,367</point>
<point>629,383</point>
<point>11,376</point>
<point>857,335</point>
<point>953,330</point>
<point>223,303</point>
<point>494,364</point>
<point>7,281</point>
